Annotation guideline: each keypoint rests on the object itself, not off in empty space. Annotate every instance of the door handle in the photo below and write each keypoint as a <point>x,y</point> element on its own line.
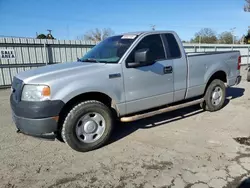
<point>168,70</point>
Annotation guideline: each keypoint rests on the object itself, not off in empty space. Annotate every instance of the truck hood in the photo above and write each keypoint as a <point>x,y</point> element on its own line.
<point>50,72</point>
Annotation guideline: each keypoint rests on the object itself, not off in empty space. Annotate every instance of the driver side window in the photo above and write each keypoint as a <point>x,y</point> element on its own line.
<point>155,46</point>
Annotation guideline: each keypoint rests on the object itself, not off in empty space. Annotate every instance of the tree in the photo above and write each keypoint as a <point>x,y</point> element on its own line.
<point>41,36</point>
<point>50,36</point>
<point>247,38</point>
<point>205,35</point>
<point>226,38</point>
<point>247,6</point>
<point>98,35</point>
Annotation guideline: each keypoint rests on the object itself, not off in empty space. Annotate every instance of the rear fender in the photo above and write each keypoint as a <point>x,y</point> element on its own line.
<point>210,71</point>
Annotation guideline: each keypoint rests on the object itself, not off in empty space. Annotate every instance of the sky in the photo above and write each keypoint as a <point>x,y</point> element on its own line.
<point>69,19</point>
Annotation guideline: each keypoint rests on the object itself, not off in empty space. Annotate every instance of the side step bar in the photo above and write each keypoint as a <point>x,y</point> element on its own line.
<point>160,111</point>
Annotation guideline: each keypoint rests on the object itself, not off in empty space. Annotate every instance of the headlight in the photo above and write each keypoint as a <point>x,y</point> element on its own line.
<point>35,93</point>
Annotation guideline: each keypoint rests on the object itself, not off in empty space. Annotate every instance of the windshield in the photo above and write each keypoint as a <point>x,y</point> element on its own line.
<point>109,50</point>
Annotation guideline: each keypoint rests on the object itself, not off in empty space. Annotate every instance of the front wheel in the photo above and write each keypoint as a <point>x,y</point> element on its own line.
<point>215,96</point>
<point>87,126</point>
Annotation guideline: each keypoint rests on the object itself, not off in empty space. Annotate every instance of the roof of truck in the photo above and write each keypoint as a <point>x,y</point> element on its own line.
<point>146,32</point>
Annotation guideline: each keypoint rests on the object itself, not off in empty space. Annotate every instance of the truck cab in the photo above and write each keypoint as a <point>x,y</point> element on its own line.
<point>159,76</point>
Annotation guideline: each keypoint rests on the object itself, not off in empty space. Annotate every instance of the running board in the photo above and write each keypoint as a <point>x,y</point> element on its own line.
<point>160,111</point>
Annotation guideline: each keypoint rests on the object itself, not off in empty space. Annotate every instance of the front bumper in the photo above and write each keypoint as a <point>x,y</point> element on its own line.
<point>35,127</point>
<point>35,118</point>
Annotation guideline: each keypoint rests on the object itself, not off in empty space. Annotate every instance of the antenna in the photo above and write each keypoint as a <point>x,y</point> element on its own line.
<point>153,27</point>
<point>49,30</point>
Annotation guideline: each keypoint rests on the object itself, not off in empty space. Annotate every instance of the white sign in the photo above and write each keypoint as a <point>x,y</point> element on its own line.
<point>128,36</point>
<point>7,54</point>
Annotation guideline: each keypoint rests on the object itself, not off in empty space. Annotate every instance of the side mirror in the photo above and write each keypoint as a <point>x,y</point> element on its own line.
<point>141,55</point>
<point>141,58</point>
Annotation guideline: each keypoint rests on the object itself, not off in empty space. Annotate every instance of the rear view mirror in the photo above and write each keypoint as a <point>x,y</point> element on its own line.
<point>141,55</point>
<point>140,58</point>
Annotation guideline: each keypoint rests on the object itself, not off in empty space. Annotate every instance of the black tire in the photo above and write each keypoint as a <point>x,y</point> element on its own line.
<point>68,129</point>
<point>208,104</point>
<point>58,135</point>
<point>203,106</point>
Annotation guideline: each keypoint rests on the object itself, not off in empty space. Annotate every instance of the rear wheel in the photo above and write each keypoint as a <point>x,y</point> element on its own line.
<point>87,126</point>
<point>215,96</point>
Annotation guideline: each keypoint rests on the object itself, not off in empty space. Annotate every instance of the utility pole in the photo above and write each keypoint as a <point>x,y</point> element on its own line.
<point>232,31</point>
<point>199,43</point>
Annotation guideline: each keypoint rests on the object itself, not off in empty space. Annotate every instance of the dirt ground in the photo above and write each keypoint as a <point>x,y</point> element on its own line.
<point>186,148</point>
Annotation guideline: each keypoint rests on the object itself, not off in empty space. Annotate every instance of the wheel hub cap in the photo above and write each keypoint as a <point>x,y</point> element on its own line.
<point>90,127</point>
<point>217,96</point>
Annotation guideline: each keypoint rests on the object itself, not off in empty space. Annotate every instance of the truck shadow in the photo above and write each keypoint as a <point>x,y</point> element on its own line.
<point>244,184</point>
<point>124,129</point>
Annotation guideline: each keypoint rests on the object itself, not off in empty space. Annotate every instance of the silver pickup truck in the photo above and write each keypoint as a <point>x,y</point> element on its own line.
<point>125,77</point>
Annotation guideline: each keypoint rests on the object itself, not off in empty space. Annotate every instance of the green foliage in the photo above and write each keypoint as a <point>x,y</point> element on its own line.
<point>205,35</point>
<point>247,6</point>
<point>226,38</point>
<point>247,38</point>
<point>49,36</point>
<point>43,36</point>
<point>209,36</point>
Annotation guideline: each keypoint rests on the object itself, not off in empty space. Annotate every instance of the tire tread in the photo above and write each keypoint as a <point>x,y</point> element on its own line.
<point>208,106</point>
<point>72,112</point>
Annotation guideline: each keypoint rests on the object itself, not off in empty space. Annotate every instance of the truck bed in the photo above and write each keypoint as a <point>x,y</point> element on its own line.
<point>201,66</point>
<point>208,53</point>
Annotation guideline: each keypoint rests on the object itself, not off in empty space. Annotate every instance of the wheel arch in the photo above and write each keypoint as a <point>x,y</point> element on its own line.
<point>98,96</point>
<point>221,75</point>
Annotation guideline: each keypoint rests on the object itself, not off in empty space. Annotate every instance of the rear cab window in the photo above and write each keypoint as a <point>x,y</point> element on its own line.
<point>172,47</point>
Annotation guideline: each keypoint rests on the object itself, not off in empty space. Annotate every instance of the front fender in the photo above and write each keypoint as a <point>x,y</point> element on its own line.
<point>71,90</point>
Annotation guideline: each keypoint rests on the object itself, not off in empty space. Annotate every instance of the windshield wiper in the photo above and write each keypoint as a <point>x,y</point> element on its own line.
<point>108,62</point>
<point>89,60</point>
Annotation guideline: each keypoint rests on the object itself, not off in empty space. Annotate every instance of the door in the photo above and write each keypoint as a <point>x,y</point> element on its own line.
<point>151,85</point>
<point>177,54</point>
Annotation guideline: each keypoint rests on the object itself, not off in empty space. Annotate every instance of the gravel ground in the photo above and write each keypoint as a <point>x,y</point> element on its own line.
<point>185,148</point>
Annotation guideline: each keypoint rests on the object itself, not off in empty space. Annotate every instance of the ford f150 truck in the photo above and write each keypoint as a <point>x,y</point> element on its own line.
<point>125,77</point>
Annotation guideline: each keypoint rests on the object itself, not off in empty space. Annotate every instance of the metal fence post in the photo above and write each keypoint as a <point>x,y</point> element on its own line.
<point>45,54</point>
<point>248,56</point>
